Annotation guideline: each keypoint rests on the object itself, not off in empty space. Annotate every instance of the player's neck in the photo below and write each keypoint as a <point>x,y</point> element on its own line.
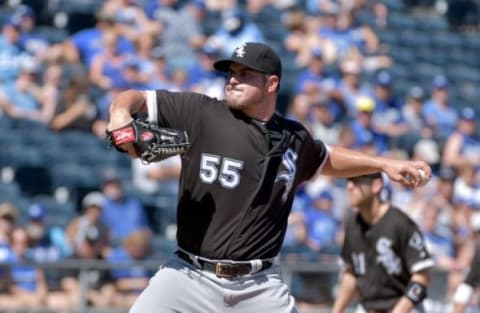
<point>373,212</point>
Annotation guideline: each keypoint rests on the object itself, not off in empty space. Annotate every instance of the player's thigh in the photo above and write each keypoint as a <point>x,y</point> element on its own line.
<point>267,294</point>
<point>177,288</point>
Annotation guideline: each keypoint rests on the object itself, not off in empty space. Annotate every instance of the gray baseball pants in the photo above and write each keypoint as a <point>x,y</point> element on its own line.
<point>180,287</point>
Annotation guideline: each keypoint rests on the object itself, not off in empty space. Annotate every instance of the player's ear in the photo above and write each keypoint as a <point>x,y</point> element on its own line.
<point>377,185</point>
<point>273,83</point>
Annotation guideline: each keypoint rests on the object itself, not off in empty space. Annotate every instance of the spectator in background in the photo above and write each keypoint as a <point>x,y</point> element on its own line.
<point>181,32</point>
<point>322,227</point>
<point>8,220</point>
<point>351,87</point>
<point>51,89</point>
<point>35,44</point>
<point>22,97</point>
<point>143,56</point>
<point>28,288</point>
<point>107,65</point>
<point>462,147</point>
<point>47,243</point>
<point>235,30</point>
<point>78,227</point>
<point>83,46</point>
<point>387,117</point>
<point>12,56</point>
<point>202,77</point>
<point>295,242</point>
<point>158,177</point>
<point>121,213</point>
<point>466,188</point>
<point>299,109</point>
<point>314,78</point>
<point>99,289</point>
<point>323,123</point>
<point>440,245</point>
<point>131,19</point>
<point>412,113</point>
<point>438,113</point>
<point>363,128</point>
<point>75,109</point>
<point>129,282</point>
<point>464,292</point>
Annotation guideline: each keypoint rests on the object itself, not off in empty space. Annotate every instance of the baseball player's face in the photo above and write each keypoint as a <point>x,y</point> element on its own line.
<point>359,191</point>
<point>245,87</point>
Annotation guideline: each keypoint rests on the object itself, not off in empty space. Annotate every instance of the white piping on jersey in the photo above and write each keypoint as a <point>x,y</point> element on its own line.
<point>417,267</point>
<point>151,96</point>
<point>327,154</point>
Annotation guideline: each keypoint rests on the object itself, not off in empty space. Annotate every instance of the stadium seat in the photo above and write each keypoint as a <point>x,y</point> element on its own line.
<point>431,55</point>
<point>414,39</point>
<point>401,55</point>
<point>432,23</point>
<point>446,40</point>
<point>401,21</point>
<point>51,34</point>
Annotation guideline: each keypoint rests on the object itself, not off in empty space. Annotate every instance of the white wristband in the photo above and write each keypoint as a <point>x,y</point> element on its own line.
<point>463,294</point>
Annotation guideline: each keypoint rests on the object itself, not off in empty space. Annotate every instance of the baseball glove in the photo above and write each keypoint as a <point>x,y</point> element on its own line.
<point>152,143</point>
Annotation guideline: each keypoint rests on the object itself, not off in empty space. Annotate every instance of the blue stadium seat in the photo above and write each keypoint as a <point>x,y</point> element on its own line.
<point>414,39</point>
<point>51,34</point>
<point>401,21</point>
<point>446,40</point>
<point>460,73</point>
<point>431,55</point>
<point>432,23</point>
<point>471,41</point>
<point>394,5</point>
<point>389,37</point>
<point>403,56</point>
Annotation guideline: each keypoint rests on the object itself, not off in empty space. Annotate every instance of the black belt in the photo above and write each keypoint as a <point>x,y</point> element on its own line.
<point>224,269</point>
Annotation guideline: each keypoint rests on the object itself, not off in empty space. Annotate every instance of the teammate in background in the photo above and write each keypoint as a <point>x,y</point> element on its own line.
<point>237,186</point>
<point>464,292</point>
<point>384,254</point>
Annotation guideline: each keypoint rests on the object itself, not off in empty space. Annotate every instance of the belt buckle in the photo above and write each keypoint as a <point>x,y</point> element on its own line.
<point>226,270</point>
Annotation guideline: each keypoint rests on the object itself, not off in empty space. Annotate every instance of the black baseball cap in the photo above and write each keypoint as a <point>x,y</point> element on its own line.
<point>366,176</point>
<point>255,55</point>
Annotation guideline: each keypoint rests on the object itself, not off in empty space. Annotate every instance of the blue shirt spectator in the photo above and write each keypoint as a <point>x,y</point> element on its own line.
<point>437,111</point>
<point>322,227</point>
<point>122,214</point>
<point>88,42</point>
<point>234,31</point>
<point>12,54</point>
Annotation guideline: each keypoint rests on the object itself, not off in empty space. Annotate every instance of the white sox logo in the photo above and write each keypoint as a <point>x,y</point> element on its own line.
<point>240,50</point>
<point>387,257</point>
<point>288,160</point>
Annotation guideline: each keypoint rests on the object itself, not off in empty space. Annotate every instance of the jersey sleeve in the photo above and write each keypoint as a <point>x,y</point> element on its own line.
<point>345,253</point>
<point>415,252</point>
<point>176,110</point>
<point>473,277</point>
<point>314,156</point>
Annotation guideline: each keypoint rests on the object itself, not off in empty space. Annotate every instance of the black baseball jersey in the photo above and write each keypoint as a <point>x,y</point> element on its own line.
<point>383,256</point>
<point>473,277</point>
<point>238,178</point>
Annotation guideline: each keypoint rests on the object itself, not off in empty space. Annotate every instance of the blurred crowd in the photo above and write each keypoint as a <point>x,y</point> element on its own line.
<point>338,84</point>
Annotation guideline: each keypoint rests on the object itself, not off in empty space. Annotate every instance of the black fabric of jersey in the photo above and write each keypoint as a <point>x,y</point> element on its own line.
<point>238,178</point>
<point>382,256</point>
<point>473,277</point>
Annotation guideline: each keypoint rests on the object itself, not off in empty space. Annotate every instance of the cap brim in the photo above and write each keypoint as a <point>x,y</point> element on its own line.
<point>224,66</point>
